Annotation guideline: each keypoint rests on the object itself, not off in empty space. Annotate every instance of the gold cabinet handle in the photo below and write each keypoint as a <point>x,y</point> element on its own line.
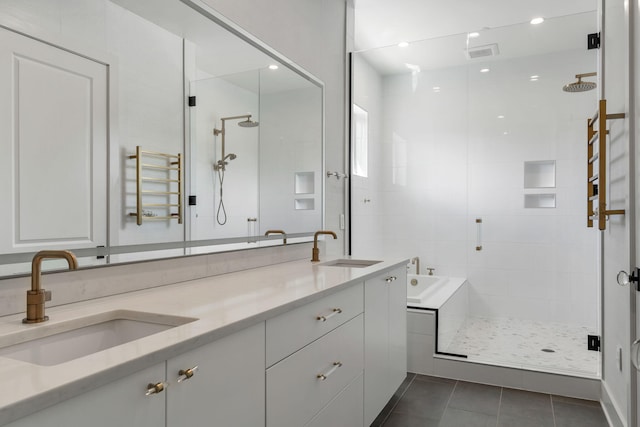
<point>329,316</point>
<point>155,388</point>
<point>185,374</point>
<point>324,376</point>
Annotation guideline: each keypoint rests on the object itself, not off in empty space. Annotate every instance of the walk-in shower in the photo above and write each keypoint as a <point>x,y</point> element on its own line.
<point>454,143</point>
<point>220,166</point>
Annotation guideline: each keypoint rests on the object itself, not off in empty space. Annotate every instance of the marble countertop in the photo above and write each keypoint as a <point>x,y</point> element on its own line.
<point>221,304</point>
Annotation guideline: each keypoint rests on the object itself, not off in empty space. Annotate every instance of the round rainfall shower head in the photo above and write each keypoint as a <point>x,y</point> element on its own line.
<point>579,86</point>
<point>248,123</point>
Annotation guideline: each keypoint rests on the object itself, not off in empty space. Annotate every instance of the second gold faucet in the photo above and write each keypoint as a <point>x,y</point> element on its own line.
<point>315,254</point>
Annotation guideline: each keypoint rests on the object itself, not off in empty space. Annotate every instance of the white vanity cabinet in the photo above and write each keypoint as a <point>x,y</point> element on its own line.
<point>317,356</point>
<point>385,339</point>
<point>120,403</point>
<point>227,385</point>
<point>226,389</point>
<point>333,360</point>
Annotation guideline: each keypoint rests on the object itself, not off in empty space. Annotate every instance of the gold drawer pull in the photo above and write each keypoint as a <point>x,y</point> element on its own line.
<point>333,313</point>
<point>155,388</point>
<point>324,376</point>
<point>185,374</point>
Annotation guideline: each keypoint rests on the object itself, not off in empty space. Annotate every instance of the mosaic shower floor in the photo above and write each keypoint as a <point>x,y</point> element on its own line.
<point>543,346</point>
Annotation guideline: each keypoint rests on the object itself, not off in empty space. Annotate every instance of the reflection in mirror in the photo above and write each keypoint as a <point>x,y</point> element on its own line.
<point>97,79</point>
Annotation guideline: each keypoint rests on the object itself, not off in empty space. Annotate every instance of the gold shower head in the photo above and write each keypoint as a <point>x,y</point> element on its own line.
<point>580,86</point>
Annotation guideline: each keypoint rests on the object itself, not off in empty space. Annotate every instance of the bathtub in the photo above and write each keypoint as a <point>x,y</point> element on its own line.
<point>445,297</point>
<point>431,292</point>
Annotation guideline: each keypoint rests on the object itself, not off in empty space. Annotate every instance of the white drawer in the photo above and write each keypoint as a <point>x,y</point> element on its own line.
<point>295,393</point>
<point>346,409</point>
<point>291,331</point>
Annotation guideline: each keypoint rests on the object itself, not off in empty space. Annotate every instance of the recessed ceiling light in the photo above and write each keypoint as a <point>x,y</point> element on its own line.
<point>536,21</point>
<point>485,70</point>
<point>501,116</point>
<point>474,34</point>
<point>534,77</point>
<point>436,88</point>
<point>403,44</point>
<point>273,67</point>
<point>505,133</point>
<point>414,68</point>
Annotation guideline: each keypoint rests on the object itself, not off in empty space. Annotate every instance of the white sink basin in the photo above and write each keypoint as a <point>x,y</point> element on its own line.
<point>352,263</point>
<point>52,344</point>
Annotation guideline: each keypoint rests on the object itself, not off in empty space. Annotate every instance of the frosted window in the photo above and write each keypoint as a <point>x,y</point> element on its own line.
<point>360,148</point>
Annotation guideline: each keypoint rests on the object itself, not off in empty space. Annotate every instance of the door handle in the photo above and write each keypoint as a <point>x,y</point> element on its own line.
<point>623,278</point>
<point>635,354</point>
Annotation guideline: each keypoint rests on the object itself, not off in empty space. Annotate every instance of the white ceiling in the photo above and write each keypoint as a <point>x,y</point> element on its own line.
<point>383,22</point>
<point>554,35</point>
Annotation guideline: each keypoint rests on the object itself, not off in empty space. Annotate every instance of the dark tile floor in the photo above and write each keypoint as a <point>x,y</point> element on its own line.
<point>424,401</point>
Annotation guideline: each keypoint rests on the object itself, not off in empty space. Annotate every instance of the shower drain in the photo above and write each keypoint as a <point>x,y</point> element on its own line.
<point>548,350</point>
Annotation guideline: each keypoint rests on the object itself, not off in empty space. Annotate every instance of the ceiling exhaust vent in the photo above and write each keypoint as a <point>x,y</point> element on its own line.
<point>482,51</point>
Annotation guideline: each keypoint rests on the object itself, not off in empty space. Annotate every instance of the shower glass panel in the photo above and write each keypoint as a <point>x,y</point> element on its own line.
<point>467,124</point>
<point>226,185</point>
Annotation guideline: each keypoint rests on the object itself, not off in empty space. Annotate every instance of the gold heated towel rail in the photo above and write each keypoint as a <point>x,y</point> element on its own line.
<point>597,159</point>
<point>173,178</point>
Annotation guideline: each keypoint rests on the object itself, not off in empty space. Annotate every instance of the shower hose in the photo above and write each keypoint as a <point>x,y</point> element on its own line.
<point>221,214</point>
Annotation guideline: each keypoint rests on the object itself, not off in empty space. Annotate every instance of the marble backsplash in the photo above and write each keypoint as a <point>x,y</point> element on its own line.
<point>85,284</point>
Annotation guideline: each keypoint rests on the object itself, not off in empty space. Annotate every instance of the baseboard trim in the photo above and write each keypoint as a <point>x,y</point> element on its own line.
<point>610,408</point>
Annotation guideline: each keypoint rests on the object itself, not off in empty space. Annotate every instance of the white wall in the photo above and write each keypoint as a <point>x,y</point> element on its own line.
<point>459,165</point>
<point>147,110</point>
<point>290,144</point>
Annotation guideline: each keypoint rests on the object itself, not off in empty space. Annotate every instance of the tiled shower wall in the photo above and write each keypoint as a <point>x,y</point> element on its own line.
<point>440,160</point>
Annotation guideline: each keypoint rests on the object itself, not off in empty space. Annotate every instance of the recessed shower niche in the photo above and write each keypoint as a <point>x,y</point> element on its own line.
<point>304,183</point>
<point>539,174</point>
<point>546,200</point>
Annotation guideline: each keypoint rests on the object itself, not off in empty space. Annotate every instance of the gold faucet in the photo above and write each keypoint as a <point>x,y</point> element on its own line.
<point>37,296</point>
<point>416,261</point>
<point>315,254</point>
<point>284,239</point>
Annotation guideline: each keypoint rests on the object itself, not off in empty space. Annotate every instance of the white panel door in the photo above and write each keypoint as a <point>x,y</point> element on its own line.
<point>53,141</point>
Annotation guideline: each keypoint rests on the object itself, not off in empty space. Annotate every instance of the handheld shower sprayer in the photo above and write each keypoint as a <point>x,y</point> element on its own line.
<point>221,165</point>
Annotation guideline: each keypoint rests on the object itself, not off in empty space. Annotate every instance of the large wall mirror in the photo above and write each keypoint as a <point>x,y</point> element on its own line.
<point>140,129</point>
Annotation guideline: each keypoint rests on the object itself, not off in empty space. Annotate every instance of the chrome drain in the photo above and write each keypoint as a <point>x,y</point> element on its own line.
<point>548,350</point>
